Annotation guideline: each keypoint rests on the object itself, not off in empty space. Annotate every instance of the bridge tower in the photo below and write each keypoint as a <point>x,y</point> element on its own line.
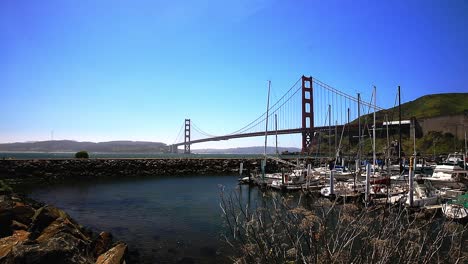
<point>307,114</point>
<point>187,137</point>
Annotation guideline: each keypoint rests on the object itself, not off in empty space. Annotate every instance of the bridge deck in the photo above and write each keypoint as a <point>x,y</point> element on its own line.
<point>279,132</point>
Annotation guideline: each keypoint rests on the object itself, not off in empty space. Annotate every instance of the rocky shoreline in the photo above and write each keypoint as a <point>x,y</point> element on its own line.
<point>50,170</point>
<point>31,232</point>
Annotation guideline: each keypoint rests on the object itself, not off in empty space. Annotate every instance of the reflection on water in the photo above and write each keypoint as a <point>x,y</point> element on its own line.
<point>169,219</point>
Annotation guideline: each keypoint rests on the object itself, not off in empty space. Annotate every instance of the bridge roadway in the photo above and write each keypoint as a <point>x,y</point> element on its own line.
<point>353,127</point>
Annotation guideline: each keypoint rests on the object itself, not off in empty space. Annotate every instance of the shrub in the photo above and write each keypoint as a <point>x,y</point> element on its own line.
<point>82,155</point>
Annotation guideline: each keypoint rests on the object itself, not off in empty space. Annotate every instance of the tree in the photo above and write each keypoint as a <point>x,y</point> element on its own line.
<point>82,155</point>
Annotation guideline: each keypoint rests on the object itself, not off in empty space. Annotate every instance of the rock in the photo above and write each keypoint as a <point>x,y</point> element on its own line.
<point>7,243</point>
<point>102,243</point>
<point>15,225</point>
<point>23,213</point>
<point>43,217</point>
<point>60,226</point>
<point>115,255</point>
<point>63,248</point>
<point>6,218</point>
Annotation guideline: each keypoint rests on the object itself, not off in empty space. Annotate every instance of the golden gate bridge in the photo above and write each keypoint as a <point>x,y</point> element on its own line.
<point>307,107</point>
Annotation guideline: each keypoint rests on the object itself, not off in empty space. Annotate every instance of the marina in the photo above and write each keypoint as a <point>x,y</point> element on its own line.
<point>244,132</point>
<point>428,190</point>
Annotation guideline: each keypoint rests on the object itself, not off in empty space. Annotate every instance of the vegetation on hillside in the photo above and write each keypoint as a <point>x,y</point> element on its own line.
<point>427,106</point>
<point>433,143</point>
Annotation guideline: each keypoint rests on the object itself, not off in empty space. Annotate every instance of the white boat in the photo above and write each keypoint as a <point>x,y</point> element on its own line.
<point>244,180</point>
<point>422,196</point>
<point>447,176</point>
<point>385,190</point>
<point>344,189</point>
<point>454,158</point>
<point>291,181</point>
<point>457,209</point>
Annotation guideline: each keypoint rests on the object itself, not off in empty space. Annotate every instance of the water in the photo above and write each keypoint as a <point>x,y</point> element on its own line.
<point>168,219</point>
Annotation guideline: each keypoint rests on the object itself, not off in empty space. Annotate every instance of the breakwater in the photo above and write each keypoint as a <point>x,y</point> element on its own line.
<point>64,169</point>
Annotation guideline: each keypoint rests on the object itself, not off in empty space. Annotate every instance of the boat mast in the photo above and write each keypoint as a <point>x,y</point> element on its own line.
<point>412,167</point>
<point>276,133</point>
<point>266,130</point>
<point>329,131</point>
<point>266,123</point>
<point>336,140</point>
<point>373,129</point>
<point>359,133</point>
<point>349,138</point>
<point>399,130</point>
<point>466,153</point>
<point>387,162</point>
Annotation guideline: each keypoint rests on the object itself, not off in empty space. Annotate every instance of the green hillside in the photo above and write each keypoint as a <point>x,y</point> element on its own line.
<point>428,106</point>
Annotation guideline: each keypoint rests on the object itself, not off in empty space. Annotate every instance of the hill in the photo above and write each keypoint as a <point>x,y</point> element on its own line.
<point>433,105</point>
<point>73,146</point>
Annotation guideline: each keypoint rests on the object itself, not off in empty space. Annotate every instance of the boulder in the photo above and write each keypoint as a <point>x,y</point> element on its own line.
<point>62,226</point>
<point>6,218</point>
<point>22,213</point>
<point>43,217</point>
<point>62,248</point>
<point>115,255</point>
<point>7,243</point>
<point>102,243</point>
<point>15,225</point>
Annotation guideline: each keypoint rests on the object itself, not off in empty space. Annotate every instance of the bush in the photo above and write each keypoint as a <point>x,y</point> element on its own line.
<point>284,231</point>
<point>82,155</point>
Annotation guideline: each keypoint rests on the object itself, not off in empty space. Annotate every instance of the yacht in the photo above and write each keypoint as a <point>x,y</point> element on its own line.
<point>448,175</point>
<point>454,158</point>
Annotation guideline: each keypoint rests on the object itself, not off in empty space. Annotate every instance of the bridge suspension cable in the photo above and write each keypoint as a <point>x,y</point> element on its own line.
<point>199,130</point>
<point>178,138</point>
<point>334,90</point>
<point>329,107</point>
<point>262,117</point>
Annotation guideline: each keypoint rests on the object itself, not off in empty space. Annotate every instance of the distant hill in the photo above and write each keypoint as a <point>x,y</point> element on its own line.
<point>73,146</point>
<point>246,150</point>
<point>427,106</point>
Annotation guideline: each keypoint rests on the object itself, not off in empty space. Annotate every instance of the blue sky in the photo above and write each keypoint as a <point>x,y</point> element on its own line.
<point>134,70</point>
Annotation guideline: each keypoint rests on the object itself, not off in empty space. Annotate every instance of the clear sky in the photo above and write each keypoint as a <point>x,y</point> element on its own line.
<point>134,70</point>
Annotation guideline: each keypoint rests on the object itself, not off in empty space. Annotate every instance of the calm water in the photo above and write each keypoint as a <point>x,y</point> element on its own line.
<point>169,219</point>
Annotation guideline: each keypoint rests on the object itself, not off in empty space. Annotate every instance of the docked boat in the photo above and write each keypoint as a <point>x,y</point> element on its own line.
<point>448,175</point>
<point>291,181</point>
<point>245,180</point>
<point>454,159</point>
<point>422,196</point>
<point>383,190</point>
<point>456,209</point>
<point>344,189</point>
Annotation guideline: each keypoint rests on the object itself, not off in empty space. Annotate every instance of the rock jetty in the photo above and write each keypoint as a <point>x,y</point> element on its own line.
<point>31,232</point>
<point>53,170</point>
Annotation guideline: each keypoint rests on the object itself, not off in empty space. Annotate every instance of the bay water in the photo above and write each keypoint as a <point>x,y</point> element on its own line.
<point>172,219</point>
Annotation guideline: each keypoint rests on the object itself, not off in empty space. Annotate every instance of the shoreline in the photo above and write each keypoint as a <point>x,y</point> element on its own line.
<point>55,170</point>
<point>32,231</point>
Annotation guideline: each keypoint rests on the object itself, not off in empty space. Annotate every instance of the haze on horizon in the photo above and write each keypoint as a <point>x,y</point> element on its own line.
<point>117,70</point>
